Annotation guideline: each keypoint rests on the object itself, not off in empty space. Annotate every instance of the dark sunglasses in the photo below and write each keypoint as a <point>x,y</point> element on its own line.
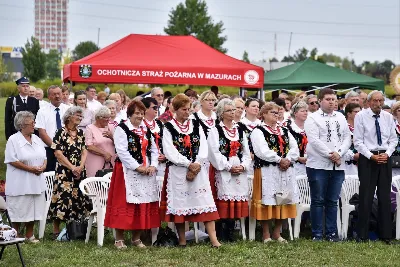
<point>155,107</point>
<point>314,103</point>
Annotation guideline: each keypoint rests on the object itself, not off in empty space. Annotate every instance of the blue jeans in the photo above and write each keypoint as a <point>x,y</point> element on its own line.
<point>325,186</point>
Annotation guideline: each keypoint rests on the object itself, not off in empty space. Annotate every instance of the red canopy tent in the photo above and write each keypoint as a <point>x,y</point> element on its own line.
<point>156,59</point>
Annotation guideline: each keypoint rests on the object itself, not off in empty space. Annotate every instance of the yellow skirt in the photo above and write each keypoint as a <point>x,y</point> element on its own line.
<point>267,212</point>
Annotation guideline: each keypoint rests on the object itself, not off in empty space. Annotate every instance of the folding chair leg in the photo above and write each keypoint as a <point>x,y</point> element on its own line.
<point>196,232</point>
<point>154,233</point>
<point>20,255</point>
<point>243,227</point>
<point>290,229</point>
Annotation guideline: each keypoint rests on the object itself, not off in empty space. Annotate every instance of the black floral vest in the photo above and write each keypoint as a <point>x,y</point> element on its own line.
<point>160,135</point>
<point>299,139</point>
<point>225,143</point>
<point>134,145</point>
<point>247,132</point>
<point>396,152</point>
<point>178,141</point>
<point>273,144</point>
<point>206,129</point>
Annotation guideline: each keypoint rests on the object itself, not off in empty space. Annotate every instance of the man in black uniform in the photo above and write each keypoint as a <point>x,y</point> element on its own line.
<point>21,102</point>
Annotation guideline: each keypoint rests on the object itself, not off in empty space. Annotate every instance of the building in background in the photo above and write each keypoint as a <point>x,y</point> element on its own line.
<point>12,57</point>
<point>51,29</point>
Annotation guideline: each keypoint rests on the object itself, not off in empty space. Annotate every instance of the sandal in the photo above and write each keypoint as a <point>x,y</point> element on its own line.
<point>267,240</point>
<point>31,240</point>
<point>138,243</point>
<point>281,240</point>
<point>55,236</point>
<point>119,244</point>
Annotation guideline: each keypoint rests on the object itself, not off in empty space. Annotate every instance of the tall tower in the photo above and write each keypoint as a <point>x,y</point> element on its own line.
<point>51,19</point>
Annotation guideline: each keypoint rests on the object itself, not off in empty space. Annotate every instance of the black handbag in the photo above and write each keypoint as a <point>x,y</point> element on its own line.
<point>166,238</point>
<point>104,171</point>
<point>76,230</point>
<point>395,161</point>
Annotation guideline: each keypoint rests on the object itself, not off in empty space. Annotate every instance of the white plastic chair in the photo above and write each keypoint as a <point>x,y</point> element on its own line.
<point>304,204</point>
<point>396,184</point>
<point>50,177</point>
<point>252,221</point>
<point>97,189</point>
<point>108,175</point>
<point>350,186</point>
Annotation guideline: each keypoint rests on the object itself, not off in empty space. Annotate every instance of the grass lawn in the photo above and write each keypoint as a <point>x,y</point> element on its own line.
<point>301,252</point>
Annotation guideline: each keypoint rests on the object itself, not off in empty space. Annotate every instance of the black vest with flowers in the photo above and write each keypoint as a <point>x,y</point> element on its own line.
<point>299,140</point>
<point>247,131</point>
<point>273,144</point>
<point>160,135</point>
<point>225,143</point>
<point>178,141</point>
<point>134,145</point>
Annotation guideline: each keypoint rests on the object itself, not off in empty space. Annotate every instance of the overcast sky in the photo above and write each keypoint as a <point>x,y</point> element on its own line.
<point>368,28</point>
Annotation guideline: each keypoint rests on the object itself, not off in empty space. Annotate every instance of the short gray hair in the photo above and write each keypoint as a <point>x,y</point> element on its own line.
<point>110,102</point>
<point>71,112</point>
<point>52,87</point>
<point>102,112</point>
<point>195,104</point>
<point>153,91</point>
<point>20,118</point>
<point>352,94</point>
<point>297,106</point>
<point>374,92</point>
<point>221,106</point>
<point>311,96</point>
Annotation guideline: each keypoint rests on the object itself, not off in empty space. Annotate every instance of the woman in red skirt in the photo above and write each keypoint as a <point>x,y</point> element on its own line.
<point>133,197</point>
<point>229,155</point>
<point>186,192</point>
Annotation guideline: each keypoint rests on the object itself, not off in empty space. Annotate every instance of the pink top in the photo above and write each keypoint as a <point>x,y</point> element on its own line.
<point>94,136</point>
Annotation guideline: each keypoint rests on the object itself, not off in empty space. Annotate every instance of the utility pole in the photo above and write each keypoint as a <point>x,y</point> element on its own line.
<point>98,37</point>
<point>275,47</point>
<point>351,61</point>
<point>290,44</point>
<point>263,59</point>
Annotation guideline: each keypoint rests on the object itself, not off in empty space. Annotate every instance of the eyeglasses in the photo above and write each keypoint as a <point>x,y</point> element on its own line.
<point>274,112</point>
<point>154,107</point>
<point>30,124</point>
<point>230,110</point>
<point>159,95</point>
<point>210,100</point>
<point>313,103</point>
<point>105,118</point>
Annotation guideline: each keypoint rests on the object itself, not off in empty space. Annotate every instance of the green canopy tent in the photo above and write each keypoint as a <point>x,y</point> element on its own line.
<point>310,73</point>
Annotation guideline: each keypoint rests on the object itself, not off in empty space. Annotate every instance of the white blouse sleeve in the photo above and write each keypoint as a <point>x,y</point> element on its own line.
<point>246,159</point>
<point>219,161</point>
<point>121,147</point>
<point>10,154</point>
<point>171,153</point>
<point>202,156</point>
<point>154,153</point>
<point>293,153</point>
<point>261,148</point>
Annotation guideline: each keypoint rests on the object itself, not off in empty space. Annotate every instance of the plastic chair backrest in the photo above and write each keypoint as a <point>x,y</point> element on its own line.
<point>108,175</point>
<point>350,186</point>
<point>304,189</point>
<point>50,177</point>
<point>97,189</point>
<point>250,183</point>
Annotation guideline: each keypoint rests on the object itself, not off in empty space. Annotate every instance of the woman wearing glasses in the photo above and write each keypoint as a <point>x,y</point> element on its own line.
<point>206,116</point>
<point>299,114</point>
<point>274,155</point>
<point>229,154</point>
<point>351,157</point>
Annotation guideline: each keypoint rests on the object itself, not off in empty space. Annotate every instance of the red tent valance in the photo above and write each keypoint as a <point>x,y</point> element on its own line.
<point>156,59</point>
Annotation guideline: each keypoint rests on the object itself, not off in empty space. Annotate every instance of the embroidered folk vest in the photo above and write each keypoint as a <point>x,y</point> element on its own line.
<point>134,144</point>
<point>187,145</point>
<point>225,144</point>
<point>273,144</point>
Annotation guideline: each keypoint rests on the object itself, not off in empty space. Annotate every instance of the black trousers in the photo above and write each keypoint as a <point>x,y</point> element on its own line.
<point>51,160</point>
<point>374,175</point>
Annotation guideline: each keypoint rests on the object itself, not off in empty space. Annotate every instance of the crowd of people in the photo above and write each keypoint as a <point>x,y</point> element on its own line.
<point>204,148</point>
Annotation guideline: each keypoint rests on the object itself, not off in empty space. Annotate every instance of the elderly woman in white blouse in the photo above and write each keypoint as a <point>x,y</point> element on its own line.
<point>229,155</point>
<point>275,151</point>
<point>25,157</point>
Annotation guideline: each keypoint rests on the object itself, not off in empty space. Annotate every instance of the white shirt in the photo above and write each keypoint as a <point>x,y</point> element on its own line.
<point>326,133</point>
<point>43,103</point>
<point>121,147</point>
<point>250,124</point>
<point>365,138</point>
<point>121,115</point>
<point>24,99</point>
<point>204,118</point>
<point>46,118</point>
<point>93,105</point>
<point>161,110</point>
<point>20,182</point>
